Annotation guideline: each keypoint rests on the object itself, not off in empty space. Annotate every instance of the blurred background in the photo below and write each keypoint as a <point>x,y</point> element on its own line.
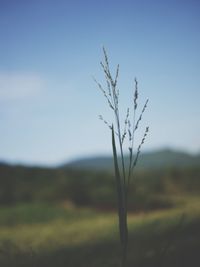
<point>57,187</point>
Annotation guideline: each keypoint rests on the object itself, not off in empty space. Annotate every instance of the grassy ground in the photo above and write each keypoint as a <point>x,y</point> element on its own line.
<point>43,235</point>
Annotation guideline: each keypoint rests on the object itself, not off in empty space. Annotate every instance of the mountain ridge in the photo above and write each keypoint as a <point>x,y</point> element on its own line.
<point>155,159</point>
<point>147,160</point>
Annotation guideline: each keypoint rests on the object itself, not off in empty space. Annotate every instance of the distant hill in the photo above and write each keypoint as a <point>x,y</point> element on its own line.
<point>150,160</point>
<point>80,183</point>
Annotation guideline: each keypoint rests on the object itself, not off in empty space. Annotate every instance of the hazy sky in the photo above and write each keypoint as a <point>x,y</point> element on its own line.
<point>49,50</point>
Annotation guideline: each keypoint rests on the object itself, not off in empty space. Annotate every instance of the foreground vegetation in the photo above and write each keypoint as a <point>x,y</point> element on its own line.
<point>57,235</point>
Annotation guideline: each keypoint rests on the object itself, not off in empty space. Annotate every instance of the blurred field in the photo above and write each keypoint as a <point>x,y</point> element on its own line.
<point>58,235</point>
<point>61,217</point>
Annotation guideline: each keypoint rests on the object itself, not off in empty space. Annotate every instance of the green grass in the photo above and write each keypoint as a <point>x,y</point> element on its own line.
<point>40,213</point>
<point>44,235</point>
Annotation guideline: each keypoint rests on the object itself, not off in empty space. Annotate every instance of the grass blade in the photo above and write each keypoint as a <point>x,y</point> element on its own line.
<point>120,194</point>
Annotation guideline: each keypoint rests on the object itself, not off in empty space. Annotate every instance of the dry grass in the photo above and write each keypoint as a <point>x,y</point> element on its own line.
<point>122,134</point>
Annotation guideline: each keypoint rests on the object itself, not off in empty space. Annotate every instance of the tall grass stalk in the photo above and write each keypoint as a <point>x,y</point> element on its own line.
<point>124,133</point>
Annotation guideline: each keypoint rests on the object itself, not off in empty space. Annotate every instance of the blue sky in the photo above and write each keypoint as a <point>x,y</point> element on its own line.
<point>49,50</point>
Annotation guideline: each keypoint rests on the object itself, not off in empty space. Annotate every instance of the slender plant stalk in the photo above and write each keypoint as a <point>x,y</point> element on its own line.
<point>122,203</point>
<point>122,176</point>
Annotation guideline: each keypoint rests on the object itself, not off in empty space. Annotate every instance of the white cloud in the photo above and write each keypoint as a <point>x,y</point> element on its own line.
<point>14,86</point>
